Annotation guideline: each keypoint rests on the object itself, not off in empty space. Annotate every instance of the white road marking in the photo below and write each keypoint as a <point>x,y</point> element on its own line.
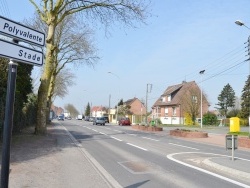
<point>137,147</point>
<point>132,134</point>
<point>170,156</point>
<point>116,138</point>
<point>102,133</point>
<point>117,131</point>
<point>150,139</point>
<point>183,146</point>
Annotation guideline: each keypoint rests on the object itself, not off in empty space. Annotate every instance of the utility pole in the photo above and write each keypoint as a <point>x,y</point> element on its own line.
<point>148,90</point>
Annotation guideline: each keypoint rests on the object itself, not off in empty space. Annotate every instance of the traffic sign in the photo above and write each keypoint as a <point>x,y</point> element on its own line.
<point>18,31</point>
<point>20,53</point>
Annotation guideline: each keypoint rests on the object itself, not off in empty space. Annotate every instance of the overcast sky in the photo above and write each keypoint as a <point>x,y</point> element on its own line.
<point>179,40</point>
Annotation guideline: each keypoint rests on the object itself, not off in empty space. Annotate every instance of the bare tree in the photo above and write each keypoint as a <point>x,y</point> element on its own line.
<point>191,101</point>
<point>71,109</point>
<point>54,12</point>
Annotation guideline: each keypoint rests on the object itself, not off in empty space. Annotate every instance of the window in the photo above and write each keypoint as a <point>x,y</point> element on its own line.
<point>174,111</point>
<point>166,111</point>
<point>163,99</point>
<point>169,98</point>
<point>194,98</point>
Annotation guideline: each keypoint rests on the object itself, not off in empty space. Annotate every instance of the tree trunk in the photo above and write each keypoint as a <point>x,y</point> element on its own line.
<point>42,101</point>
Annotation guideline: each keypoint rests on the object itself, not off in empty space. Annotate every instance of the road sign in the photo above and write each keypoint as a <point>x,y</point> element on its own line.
<point>20,53</point>
<point>18,31</point>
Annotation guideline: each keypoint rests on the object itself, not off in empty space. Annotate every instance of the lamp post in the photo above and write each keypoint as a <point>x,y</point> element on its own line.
<point>201,73</point>
<point>118,98</point>
<point>240,23</point>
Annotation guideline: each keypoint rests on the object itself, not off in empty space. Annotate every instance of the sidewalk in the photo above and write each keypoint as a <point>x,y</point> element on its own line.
<point>53,161</point>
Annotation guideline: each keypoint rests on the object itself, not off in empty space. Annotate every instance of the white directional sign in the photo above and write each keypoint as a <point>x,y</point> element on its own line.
<point>20,53</point>
<point>18,31</point>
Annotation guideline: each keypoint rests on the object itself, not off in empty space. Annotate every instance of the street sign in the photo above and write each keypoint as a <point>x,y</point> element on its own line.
<point>21,32</point>
<point>20,53</point>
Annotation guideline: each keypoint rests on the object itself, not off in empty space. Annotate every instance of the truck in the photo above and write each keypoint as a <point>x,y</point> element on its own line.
<point>79,117</point>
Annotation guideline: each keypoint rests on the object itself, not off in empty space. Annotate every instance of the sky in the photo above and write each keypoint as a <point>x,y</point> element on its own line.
<point>179,39</point>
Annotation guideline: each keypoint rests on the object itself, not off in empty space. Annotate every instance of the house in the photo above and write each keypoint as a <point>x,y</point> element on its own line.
<point>137,110</point>
<point>98,111</point>
<point>180,104</point>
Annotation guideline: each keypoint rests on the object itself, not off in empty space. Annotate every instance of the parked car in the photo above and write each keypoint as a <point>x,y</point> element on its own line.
<point>106,119</point>
<point>86,118</point>
<point>124,121</point>
<point>91,119</point>
<point>99,121</point>
<point>60,117</point>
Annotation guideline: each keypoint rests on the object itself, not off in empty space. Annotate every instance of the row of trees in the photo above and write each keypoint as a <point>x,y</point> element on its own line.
<point>227,101</point>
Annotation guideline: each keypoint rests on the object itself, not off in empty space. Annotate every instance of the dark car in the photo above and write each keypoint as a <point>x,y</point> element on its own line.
<point>106,119</point>
<point>99,121</point>
<point>86,118</point>
<point>124,121</point>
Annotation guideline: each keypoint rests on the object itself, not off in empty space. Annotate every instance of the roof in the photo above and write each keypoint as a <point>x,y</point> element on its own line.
<point>176,91</point>
<point>98,108</point>
<point>130,101</point>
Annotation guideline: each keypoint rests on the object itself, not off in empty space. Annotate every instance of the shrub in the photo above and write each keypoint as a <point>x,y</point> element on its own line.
<point>209,119</point>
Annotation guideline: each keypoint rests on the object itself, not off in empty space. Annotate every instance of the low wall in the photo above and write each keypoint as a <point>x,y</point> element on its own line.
<point>147,128</point>
<point>244,142</point>
<point>188,134</point>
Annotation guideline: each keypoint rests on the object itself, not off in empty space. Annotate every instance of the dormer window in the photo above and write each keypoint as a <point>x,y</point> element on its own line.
<point>169,98</point>
<point>163,99</point>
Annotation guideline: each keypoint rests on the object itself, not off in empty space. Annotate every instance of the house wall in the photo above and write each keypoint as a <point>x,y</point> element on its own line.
<point>137,108</point>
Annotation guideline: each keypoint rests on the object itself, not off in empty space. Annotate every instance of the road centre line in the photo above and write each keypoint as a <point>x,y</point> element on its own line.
<point>137,147</point>
<point>183,146</point>
<point>151,139</point>
<point>102,133</point>
<point>132,134</point>
<point>116,138</point>
<point>117,131</point>
<point>170,156</point>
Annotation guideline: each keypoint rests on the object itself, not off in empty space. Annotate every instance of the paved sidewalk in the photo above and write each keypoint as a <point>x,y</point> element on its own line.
<point>53,161</point>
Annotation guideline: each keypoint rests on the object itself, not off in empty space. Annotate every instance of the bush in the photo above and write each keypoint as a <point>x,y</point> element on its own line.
<point>209,119</point>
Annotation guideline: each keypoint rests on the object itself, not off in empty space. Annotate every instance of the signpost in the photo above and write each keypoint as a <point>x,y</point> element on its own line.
<point>19,53</point>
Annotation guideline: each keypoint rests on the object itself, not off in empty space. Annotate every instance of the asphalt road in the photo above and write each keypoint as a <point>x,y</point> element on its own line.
<point>139,159</point>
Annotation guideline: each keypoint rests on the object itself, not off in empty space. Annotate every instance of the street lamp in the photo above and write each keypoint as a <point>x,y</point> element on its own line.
<point>118,98</point>
<point>240,23</point>
<point>201,73</point>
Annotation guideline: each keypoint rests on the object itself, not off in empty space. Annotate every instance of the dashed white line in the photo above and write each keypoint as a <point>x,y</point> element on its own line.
<point>102,133</point>
<point>116,138</point>
<point>150,139</point>
<point>137,147</point>
<point>132,134</point>
<point>183,146</point>
<point>117,131</point>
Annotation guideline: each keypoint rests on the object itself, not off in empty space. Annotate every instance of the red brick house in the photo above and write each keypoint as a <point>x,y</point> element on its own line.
<point>179,100</point>
<point>137,110</point>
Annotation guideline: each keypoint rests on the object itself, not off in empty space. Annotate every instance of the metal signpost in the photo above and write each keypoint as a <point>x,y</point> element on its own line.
<point>232,143</point>
<point>18,53</point>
